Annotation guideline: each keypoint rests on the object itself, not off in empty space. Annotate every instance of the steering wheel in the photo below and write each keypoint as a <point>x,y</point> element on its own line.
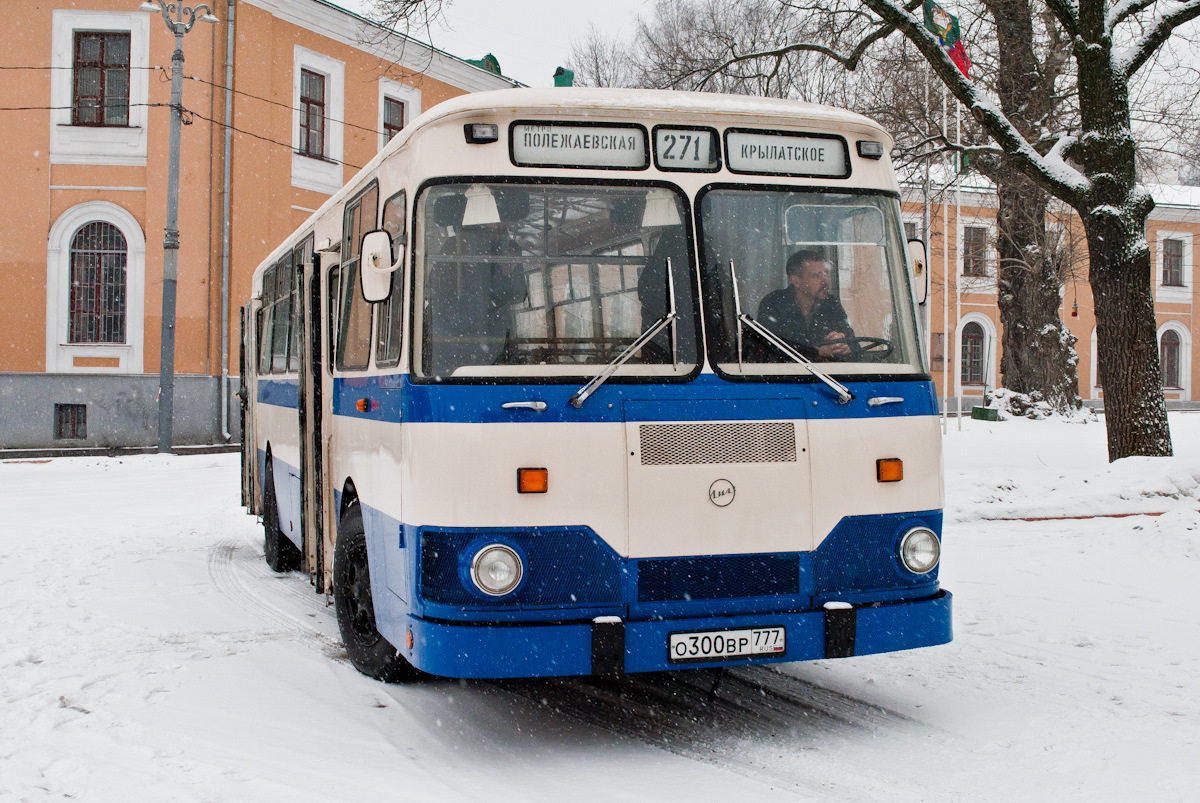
<point>868,349</point>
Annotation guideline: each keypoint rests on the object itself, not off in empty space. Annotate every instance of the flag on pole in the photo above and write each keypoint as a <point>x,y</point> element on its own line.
<point>944,25</point>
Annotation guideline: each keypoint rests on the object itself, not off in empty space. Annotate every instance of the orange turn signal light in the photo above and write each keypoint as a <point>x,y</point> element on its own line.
<point>533,480</point>
<point>889,469</point>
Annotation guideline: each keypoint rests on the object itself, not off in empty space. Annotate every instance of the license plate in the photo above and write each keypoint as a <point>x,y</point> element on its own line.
<point>714,645</point>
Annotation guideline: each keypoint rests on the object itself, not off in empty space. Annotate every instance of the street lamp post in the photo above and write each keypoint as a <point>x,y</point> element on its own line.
<point>179,19</point>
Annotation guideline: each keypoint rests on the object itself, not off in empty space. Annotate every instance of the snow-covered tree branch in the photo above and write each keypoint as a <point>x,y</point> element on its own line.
<point>1154,38</point>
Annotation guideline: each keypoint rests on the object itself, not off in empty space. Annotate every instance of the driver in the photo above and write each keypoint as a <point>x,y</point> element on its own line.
<point>804,313</point>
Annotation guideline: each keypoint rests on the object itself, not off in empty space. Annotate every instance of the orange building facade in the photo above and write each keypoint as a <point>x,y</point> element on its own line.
<point>310,92</point>
<point>963,317</point>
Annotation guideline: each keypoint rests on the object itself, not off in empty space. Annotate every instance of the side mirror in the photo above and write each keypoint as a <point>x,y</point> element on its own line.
<point>376,266</point>
<point>918,259</point>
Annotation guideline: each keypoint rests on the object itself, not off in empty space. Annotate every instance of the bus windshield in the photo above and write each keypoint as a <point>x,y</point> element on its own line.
<point>552,280</point>
<point>821,271</point>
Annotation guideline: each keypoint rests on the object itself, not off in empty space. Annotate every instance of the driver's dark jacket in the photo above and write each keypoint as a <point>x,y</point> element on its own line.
<point>780,313</point>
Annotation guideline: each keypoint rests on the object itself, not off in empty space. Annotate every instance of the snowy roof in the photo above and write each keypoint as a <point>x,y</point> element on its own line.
<point>583,99</point>
<point>1175,195</point>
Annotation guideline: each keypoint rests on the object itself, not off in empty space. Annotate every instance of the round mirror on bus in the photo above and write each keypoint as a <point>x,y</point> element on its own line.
<point>376,266</point>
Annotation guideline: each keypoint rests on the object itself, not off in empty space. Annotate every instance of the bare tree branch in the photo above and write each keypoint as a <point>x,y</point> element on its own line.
<point>1159,32</point>
<point>1054,174</point>
<point>1123,10</point>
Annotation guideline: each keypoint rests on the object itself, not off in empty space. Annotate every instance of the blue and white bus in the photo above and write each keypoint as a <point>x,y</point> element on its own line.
<point>571,382</point>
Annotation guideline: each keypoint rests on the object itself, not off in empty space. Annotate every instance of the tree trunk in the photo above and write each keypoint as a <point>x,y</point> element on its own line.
<point>1114,212</point>
<point>1037,354</point>
<point>1126,337</point>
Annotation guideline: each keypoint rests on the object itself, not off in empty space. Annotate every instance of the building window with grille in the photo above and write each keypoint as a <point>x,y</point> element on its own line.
<point>100,96</point>
<point>312,114</point>
<point>393,117</point>
<point>70,422</point>
<point>1168,358</point>
<point>974,251</point>
<point>1172,263</point>
<point>99,258</point>
<point>973,342</point>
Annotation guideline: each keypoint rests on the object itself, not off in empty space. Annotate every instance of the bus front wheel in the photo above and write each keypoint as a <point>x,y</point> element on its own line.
<point>369,652</point>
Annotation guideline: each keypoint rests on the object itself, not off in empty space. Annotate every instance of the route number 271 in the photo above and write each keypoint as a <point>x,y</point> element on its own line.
<point>685,149</point>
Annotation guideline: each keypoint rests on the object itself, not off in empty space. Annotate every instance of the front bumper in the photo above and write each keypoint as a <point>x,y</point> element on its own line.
<point>488,650</point>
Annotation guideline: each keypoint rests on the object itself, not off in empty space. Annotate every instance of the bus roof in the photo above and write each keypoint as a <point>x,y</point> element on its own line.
<point>576,101</point>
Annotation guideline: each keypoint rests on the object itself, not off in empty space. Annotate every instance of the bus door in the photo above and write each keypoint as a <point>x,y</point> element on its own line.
<point>247,364</point>
<point>242,403</point>
<point>313,413</point>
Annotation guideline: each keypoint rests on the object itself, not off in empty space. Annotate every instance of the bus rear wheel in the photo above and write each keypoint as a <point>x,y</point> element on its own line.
<point>281,554</point>
<point>369,652</point>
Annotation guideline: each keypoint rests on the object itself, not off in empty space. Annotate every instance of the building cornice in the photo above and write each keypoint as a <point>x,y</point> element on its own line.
<point>350,29</point>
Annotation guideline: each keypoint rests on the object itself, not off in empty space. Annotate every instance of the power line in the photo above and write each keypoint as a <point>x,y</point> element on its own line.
<point>70,108</point>
<point>188,112</point>
<point>72,67</point>
<point>191,78</point>
<point>237,130</point>
<point>184,111</point>
<point>277,103</point>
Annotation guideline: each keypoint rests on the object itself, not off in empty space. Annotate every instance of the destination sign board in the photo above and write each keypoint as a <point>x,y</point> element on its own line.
<point>678,148</point>
<point>786,154</point>
<point>567,145</point>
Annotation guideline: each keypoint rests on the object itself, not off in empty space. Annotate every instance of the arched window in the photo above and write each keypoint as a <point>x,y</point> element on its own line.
<point>96,308</point>
<point>973,341</point>
<point>1168,358</point>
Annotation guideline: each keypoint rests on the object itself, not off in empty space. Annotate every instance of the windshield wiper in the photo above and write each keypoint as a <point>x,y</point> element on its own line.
<point>645,337</point>
<point>843,393</point>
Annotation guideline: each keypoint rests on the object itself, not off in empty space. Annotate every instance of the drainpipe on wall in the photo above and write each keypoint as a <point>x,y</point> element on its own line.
<point>225,433</point>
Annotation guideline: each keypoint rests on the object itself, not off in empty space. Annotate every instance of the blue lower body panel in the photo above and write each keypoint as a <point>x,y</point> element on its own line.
<point>542,650</point>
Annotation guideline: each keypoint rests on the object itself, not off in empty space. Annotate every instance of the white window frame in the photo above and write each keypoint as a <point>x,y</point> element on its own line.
<point>1171,294</point>
<point>1185,357</point>
<point>308,172</point>
<point>917,220</point>
<point>98,145</point>
<point>407,95</point>
<point>60,354</point>
<point>990,349</point>
<point>977,284</point>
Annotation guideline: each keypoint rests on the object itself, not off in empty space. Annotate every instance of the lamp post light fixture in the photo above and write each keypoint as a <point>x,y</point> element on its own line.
<point>179,19</point>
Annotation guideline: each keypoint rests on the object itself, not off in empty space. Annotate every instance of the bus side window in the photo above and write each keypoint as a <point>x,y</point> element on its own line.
<point>266,311</point>
<point>333,298</point>
<point>283,315</point>
<point>387,350</point>
<point>301,256</point>
<point>354,336</point>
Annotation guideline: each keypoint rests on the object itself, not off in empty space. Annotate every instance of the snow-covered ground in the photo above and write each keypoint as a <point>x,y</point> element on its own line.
<point>147,654</point>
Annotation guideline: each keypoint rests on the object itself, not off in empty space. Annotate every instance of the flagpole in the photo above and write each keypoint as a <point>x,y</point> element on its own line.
<point>949,344</point>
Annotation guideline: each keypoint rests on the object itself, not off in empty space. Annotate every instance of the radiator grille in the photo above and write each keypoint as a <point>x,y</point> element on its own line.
<point>718,577</point>
<point>735,442</point>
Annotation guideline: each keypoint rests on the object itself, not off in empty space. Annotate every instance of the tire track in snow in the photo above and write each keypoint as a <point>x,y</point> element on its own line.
<point>239,574</point>
<point>753,708</point>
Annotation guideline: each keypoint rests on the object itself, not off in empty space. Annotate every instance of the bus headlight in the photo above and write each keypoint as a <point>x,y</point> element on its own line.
<point>920,550</point>
<point>496,570</point>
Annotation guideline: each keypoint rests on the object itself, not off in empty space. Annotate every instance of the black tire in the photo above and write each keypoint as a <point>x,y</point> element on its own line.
<point>369,652</point>
<point>281,554</point>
